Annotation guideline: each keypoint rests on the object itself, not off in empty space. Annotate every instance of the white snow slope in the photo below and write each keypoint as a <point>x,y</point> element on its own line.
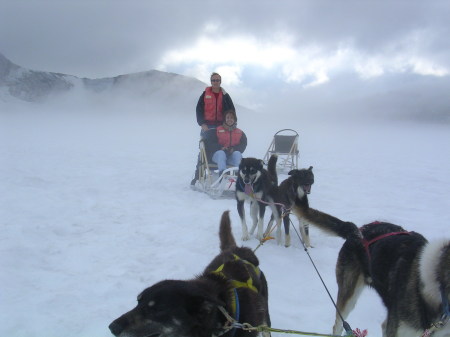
<point>96,206</point>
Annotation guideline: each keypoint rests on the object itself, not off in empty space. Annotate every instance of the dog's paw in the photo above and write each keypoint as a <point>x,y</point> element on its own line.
<point>245,237</point>
<point>278,236</point>
<point>287,242</point>
<point>308,243</point>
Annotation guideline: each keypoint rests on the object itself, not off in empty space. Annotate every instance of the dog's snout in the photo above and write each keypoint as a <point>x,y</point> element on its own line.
<point>116,328</point>
<point>307,189</point>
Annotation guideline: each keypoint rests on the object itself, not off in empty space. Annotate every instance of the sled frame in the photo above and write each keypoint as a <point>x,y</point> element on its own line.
<point>285,145</point>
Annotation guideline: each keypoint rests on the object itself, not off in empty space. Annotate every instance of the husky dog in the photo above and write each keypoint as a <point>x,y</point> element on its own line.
<point>298,185</point>
<point>258,186</point>
<point>411,275</point>
<point>232,283</point>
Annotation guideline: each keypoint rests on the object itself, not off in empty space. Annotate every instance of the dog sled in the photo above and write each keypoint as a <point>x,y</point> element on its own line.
<point>285,145</point>
<point>208,180</point>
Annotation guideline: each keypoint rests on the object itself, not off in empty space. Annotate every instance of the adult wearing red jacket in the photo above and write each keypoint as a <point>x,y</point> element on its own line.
<point>228,144</point>
<point>211,104</point>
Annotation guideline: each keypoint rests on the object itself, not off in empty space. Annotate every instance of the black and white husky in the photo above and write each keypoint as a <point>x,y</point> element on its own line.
<point>411,275</point>
<point>297,185</point>
<point>258,186</point>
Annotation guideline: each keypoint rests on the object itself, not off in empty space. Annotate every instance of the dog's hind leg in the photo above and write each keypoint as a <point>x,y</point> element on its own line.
<point>393,326</point>
<point>278,224</point>
<point>287,236</point>
<point>350,279</point>
<point>269,225</point>
<point>275,217</point>
<point>304,231</point>
<point>241,211</point>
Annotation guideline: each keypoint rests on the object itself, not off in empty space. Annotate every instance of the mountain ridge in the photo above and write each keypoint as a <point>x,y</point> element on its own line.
<point>37,86</point>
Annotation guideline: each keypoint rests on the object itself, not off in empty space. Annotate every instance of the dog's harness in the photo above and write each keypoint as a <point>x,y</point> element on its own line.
<point>235,306</point>
<point>367,243</point>
<point>239,284</point>
<point>248,189</point>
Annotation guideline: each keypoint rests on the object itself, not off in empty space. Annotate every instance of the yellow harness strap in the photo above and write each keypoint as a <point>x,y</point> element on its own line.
<point>239,284</point>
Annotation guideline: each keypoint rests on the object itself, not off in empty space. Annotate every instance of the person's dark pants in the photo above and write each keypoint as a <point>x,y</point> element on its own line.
<point>202,135</point>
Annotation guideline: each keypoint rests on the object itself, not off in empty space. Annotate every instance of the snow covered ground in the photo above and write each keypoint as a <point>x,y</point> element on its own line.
<point>96,206</point>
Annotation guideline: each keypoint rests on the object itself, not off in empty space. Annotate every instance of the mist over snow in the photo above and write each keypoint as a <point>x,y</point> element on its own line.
<point>347,97</point>
<point>96,206</point>
<point>405,97</point>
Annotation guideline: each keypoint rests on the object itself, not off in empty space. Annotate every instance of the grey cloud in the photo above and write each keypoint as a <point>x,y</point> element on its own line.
<point>105,38</point>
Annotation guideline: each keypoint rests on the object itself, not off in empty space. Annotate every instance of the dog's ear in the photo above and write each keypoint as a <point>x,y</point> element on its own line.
<point>293,172</point>
<point>261,163</point>
<point>310,168</point>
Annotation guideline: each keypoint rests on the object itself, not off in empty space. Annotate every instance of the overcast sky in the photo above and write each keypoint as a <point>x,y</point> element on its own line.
<point>252,43</point>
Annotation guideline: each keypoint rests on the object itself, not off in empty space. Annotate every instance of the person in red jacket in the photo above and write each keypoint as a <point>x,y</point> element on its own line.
<point>228,142</point>
<point>212,103</point>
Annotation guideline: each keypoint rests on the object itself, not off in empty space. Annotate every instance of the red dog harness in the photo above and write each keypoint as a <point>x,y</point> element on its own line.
<point>367,243</point>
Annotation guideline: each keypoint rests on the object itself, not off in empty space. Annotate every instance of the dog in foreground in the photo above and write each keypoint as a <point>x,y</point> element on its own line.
<point>231,283</point>
<point>411,275</point>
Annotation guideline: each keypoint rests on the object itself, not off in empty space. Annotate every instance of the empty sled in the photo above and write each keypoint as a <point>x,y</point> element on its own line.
<point>285,145</point>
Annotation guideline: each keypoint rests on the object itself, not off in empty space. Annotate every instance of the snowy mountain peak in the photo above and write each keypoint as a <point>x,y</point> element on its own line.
<point>153,85</point>
<point>5,67</point>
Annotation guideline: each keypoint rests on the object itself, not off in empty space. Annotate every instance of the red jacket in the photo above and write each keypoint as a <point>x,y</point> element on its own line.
<point>213,114</point>
<point>216,139</point>
<point>213,106</point>
<point>228,138</point>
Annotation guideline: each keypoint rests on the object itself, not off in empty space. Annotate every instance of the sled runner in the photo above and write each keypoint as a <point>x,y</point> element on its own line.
<point>285,146</point>
<point>208,180</point>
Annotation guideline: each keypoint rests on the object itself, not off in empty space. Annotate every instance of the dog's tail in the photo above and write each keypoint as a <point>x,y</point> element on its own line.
<point>272,168</point>
<point>226,236</point>
<point>324,221</point>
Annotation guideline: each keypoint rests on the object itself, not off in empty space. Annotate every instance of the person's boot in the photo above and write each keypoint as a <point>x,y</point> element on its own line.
<point>195,177</point>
